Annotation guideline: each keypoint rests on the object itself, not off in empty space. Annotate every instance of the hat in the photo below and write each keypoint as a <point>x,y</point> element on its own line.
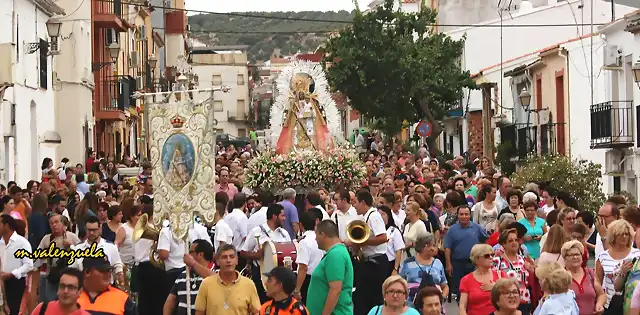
<point>520,228</point>
<point>401,176</point>
<point>285,276</point>
<point>101,264</point>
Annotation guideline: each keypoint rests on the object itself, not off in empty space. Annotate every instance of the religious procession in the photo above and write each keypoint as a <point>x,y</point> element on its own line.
<point>314,224</point>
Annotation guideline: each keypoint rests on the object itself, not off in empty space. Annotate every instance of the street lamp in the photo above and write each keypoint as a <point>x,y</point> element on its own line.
<point>525,98</point>
<point>53,29</point>
<point>153,61</point>
<point>636,72</point>
<point>114,51</point>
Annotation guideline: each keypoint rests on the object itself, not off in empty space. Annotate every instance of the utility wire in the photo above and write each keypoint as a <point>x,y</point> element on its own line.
<point>235,14</point>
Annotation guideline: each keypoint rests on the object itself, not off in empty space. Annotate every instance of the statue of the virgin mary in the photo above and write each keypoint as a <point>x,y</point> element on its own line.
<point>304,126</point>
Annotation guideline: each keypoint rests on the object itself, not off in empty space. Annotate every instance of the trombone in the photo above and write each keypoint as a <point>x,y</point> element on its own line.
<point>144,230</point>
<point>358,232</point>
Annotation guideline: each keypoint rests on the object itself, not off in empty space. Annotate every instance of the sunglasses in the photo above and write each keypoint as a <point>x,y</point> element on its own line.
<point>488,256</point>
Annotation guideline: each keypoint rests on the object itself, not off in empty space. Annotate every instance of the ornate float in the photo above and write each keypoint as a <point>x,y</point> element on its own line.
<point>308,151</point>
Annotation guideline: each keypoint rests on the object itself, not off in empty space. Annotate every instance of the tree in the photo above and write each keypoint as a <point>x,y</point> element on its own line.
<point>394,67</point>
<point>579,178</point>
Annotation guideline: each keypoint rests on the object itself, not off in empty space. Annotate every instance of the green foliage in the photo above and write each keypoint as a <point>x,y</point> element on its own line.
<point>210,29</point>
<point>580,178</point>
<point>393,67</point>
<point>504,152</point>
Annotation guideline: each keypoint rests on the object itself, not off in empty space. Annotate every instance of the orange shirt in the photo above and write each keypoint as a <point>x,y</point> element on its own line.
<point>22,209</point>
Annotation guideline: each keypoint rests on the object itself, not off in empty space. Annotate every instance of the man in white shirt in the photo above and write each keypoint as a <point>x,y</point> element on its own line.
<point>223,233</point>
<point>389,199</point>
<point>172,251</point>
<point>308,256</point>
<point>14,270</point>
<point>237,220</point>
<point>252,248</point>
<point>259,217</point>
<point>313,200</point>
<point>94,232</point>
<point>342,199</point>
<point>148,276</point>
<point>372,269</point>
<point>608,213</point>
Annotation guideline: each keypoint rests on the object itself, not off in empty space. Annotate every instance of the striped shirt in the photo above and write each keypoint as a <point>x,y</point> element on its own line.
<point>611,268</point>
<point>179,289</point>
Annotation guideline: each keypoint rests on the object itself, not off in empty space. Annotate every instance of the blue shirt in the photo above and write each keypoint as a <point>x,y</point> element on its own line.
<point>460,239</point>
<point>533,246</point>
<point>290,216</point>
<point>412,271</point>
<point>377,310</point>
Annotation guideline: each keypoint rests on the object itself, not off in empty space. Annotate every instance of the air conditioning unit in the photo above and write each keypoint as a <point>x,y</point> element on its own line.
<point>7,74</point>
<point>134,58</point>
<point>611,56</point>
<point>613,161</point>
<point>139,83</point>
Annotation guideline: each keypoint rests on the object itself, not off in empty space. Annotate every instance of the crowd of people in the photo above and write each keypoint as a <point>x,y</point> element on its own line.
<point>439,231</point>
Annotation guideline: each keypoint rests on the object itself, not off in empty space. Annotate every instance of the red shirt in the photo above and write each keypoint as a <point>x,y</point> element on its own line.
<point>493,239</point>
<point>478,301</point>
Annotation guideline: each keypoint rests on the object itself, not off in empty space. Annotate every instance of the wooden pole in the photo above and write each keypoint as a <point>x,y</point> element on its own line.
<point>487,143</point>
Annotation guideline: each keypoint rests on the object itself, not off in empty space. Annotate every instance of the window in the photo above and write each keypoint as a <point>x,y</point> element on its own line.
<point>242,132</point>
<point>217,79</point>
<point>240,109</point>
<point>218,106</point>
<point>240,79</point>
<point>44,69</point>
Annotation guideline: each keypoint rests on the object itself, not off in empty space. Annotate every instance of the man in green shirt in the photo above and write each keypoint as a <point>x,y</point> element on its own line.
<point>332,281</point>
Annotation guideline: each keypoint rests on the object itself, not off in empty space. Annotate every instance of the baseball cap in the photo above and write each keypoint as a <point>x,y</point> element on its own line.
<point>101,264</point>
<point>285,276</point>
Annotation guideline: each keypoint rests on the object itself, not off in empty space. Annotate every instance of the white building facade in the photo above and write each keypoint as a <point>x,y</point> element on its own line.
<point>616,133</point>
<point>489,46</point>
<point>73,83</point>
<point>27,107</point>
<point>226,66</point>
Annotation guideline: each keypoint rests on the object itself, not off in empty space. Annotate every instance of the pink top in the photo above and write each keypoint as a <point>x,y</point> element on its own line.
<point>635,300</point>
<point>16,215</point>
<point>230,189</point>
<point>585,292</point>
<point>548,257</point>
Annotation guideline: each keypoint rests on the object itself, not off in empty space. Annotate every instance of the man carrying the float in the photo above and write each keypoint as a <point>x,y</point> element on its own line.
<point>252,248</point>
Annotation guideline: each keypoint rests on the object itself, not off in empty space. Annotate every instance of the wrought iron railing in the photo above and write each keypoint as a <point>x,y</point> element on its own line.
<point>612,125</point>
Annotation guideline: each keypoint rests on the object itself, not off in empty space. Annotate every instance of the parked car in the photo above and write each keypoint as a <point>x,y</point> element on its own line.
<point>225,140</point>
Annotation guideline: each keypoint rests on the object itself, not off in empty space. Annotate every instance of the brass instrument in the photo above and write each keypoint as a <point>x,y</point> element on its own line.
<point>358,232</point>
<point>144,229</point>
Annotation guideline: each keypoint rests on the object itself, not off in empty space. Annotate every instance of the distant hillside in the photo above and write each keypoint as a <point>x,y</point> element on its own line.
<point>304,36</point>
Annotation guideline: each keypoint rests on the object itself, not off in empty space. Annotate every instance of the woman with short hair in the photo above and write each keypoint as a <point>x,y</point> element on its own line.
<point>475,288</point>
<point>589,294</point>
<point>614,264</point>
<point>505,297</point>
<point>516,266</point>
<point>429,301</point>
<point>394,292</point>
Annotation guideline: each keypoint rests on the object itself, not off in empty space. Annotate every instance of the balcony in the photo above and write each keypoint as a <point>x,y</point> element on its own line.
<point>108,14</point>
<point>113,97</point>
<point>175,22</point>
<point>523,139</point>
<point>237,117</point>
<point>612,125</point>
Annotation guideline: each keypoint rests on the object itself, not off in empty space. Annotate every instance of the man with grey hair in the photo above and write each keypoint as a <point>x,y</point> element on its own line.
<point>291,222</point>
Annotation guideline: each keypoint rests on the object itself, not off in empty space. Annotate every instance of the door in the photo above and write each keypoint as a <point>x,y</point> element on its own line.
<point>560,113</point>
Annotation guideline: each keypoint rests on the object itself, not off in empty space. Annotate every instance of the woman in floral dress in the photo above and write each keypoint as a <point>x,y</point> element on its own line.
<point>517,267</point>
